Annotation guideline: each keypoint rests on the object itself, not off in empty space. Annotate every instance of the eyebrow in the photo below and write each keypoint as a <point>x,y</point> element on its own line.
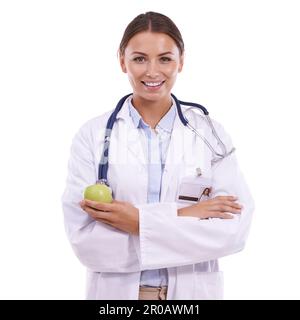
<point>144,54</point>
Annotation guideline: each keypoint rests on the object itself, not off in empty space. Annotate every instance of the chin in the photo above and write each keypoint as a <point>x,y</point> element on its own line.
<point>153,96</point>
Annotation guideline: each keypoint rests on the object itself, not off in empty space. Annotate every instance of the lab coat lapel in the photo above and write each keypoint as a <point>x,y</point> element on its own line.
<point>131,136</point>
<point>178,147</point>
<point>135,146</point>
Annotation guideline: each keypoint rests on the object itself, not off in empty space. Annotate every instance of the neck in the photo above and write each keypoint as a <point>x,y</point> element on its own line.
<point>152,111</point>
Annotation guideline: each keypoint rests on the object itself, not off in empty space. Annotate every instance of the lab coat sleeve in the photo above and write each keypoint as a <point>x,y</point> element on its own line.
<point>98,246</point>
<point>168,240</point>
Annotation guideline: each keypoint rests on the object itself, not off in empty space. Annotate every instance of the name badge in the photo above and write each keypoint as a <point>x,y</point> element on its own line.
<point>193,189</point>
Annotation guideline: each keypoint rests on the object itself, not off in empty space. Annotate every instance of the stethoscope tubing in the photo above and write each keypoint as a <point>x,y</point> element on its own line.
<point>103,165</point>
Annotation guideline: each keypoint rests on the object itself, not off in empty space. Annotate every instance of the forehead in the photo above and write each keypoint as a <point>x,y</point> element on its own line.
<point>151,42</point>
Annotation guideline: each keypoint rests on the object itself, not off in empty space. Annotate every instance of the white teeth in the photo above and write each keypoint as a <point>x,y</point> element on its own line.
<point>153,84</point>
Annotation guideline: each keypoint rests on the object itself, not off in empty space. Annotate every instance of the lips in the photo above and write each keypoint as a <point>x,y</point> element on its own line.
<point>153,84</point>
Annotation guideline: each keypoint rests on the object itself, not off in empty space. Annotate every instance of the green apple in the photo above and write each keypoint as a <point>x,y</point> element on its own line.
<point>98,192</point>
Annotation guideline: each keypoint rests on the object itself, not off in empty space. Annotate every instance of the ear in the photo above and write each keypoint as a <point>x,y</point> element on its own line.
<point>122,63</point>
<point>181,62</point>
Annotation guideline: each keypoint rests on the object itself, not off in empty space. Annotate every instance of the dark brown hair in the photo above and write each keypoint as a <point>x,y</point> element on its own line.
<point>153,22</point>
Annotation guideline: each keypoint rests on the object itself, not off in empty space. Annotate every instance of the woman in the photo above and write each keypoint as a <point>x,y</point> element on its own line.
<point>205,194</point>
<point>147,244</point>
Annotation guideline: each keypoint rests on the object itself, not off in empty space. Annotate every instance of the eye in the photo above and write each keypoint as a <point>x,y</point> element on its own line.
<point>140,59</point>
<point>165,59</point>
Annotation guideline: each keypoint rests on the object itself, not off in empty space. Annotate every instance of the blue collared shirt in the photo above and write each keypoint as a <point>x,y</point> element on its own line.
<point>156,146</point>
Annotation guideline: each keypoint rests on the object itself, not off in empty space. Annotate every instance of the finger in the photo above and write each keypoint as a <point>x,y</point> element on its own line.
<point>97,214</point>
<point>224,208</point>
<point>81,203</point>
<point>221,215</point>
<point>217,214</point>
<point>103,206</point>
<point>226,198</point>
<point>230,209</point>
<point>117,201</point>
<point>224,215</point>
<point>229,203</point>
<point>233,204</point>
<point>222,200</point>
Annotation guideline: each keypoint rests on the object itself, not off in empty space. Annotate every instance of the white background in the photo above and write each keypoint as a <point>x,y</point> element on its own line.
<point>59,68</point>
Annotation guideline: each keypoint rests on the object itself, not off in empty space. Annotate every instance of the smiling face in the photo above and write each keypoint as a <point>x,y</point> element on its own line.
<point>152,61</point>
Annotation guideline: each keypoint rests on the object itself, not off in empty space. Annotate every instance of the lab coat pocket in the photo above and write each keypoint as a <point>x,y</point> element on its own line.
<point>209,285</point>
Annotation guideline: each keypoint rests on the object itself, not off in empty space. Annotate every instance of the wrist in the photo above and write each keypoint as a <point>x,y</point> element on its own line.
<point>182,211</point>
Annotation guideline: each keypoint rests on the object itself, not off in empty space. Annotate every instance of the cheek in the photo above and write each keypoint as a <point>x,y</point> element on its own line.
<point>136,71</point>
<point>172,75</point>
<point>172,71</point>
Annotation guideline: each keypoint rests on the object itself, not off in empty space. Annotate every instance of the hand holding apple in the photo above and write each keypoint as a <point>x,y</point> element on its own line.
<point>119,214</point>
<point>99,205</point>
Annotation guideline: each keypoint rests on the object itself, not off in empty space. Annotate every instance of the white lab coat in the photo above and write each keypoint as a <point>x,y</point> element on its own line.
<point>186,246</point>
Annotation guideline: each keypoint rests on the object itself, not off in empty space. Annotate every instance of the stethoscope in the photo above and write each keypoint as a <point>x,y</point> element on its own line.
<point>103,165</point>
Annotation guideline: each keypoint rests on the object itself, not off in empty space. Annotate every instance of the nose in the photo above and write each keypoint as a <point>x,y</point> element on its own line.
<point>152,70</point>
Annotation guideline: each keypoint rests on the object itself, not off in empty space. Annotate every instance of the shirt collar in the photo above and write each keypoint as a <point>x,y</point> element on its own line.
<point>134,114</point>
<point>165,123</point>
